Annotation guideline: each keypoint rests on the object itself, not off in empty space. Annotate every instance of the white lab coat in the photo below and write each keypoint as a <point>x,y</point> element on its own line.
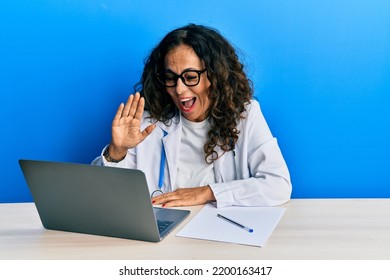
<point>256,176</point>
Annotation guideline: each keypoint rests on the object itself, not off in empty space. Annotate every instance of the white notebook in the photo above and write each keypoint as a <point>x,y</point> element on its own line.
<point>207,225</point>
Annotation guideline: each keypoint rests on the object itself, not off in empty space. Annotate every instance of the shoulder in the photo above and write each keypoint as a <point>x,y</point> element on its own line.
<point>253,123</point>
<point>252,110</point>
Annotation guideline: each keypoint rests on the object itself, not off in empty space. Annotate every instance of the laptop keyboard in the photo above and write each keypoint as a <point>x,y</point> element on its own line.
<point>162,225</point>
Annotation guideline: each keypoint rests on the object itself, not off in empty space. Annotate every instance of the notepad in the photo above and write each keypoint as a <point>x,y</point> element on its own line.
<point>206,225</point>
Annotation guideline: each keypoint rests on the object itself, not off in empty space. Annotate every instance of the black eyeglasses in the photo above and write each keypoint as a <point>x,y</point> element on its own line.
<point>189,77</point>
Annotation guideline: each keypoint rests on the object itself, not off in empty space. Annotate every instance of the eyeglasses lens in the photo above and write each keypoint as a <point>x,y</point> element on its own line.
<point>189,78</point>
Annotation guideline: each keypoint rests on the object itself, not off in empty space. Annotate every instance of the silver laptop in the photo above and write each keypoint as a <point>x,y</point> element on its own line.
<point>97,200</point>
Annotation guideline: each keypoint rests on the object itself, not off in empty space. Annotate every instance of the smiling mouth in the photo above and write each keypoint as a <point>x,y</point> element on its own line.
<point>187,103</point>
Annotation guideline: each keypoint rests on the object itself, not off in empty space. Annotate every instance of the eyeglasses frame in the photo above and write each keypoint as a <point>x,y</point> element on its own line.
<point>199,72</point>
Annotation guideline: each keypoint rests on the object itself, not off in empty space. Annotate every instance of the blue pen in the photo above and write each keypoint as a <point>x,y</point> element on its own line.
<point>234,223</point>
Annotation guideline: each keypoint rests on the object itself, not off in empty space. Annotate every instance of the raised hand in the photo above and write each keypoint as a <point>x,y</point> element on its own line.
<point>126,131</point>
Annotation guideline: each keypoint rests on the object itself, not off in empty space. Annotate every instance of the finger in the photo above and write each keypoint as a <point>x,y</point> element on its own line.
<point>164,198</point>
<point>177,203</point>
<point>147,131</point>
<point>119,112</point>
<point>129,102</point>
<point>158,199</point>
<point>140,109</point>
<point>184,201</point>
<point>134,105</point>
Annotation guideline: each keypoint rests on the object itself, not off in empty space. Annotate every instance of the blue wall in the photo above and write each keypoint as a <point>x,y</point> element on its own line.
<point>321,71</point>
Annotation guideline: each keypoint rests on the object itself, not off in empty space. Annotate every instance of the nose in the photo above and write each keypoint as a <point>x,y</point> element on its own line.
<point>180,87</point>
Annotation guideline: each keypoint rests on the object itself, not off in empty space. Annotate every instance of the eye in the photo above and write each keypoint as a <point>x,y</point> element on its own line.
<point>190,76</point>
<point>169,77</point>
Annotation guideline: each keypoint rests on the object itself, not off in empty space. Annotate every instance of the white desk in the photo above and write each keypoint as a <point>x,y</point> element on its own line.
<point>310,229</point>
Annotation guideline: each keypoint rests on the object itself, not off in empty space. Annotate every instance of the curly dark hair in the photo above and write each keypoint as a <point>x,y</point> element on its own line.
<point>230,88</point>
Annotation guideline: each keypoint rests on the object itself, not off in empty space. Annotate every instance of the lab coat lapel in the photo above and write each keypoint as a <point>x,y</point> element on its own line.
<point>171,144</point>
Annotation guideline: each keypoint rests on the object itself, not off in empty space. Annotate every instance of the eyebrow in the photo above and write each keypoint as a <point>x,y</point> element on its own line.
<point>187,69</point>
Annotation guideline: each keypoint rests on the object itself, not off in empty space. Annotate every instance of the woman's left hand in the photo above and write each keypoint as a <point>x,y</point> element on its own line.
<point>185,197</point>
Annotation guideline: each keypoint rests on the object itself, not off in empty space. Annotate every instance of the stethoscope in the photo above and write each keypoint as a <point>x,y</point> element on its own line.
<point>162,170</point>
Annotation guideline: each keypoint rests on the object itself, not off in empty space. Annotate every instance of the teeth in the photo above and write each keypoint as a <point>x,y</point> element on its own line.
<point>187,102</point>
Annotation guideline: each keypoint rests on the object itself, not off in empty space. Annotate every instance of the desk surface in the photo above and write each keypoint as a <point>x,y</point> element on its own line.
<point>310,229</point>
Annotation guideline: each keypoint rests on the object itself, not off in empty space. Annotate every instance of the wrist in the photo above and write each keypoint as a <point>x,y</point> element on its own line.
<point>209,193</point>
<point>112,156</point>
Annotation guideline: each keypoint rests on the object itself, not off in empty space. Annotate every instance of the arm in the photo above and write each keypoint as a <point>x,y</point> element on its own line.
<point>263,178</point>
<point>268,186</point>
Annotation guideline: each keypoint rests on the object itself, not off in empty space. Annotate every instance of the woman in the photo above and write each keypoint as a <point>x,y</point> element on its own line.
<point>201,137</point>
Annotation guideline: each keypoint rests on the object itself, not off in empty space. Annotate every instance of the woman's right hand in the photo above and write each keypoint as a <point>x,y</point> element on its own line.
<point>126,127</point>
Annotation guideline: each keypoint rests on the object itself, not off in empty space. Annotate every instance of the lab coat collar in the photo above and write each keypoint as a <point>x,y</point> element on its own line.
<point>173,124</point>
<point>171,142</point>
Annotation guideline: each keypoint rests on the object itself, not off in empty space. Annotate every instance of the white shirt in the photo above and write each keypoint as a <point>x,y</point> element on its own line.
<point>192,169</point>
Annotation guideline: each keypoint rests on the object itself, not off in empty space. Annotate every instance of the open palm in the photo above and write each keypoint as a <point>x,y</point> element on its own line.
<point>126,130</point>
